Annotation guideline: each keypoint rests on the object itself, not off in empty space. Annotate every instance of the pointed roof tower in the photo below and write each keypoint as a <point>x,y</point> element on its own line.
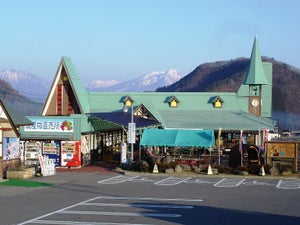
<point>74,92</point>
<point>255,74</point>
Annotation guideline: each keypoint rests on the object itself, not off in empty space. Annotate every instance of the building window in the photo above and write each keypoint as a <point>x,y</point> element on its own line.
<point>59,100</point>
<point>128,101</point>
<point>217,102</point>
<point>173,102</point>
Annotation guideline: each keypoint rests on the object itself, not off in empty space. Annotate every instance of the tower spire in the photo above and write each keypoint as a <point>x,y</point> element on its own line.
<point>255,74</point>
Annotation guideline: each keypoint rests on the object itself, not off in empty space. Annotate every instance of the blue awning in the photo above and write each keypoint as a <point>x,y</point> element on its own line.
<point>181,138</point>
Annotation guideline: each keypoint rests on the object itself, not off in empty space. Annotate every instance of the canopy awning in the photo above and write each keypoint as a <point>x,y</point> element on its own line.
<point>181,138</point>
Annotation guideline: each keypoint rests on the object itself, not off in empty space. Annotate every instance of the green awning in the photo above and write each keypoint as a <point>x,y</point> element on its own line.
<point>181,138</point>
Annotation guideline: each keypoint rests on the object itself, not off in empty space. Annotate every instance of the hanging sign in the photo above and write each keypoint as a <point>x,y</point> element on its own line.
<point>131,133</point>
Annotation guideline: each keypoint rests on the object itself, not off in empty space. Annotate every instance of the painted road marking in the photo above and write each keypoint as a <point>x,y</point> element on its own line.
<point>254,182</point>
<point>141,205</point>
<point>171,181</point>
<point>199,181</point>
<point>101,213</point>
<point>117,179</point>
<point>229,182</point>
<point>225,182</point>
<point>81,223</point>
<point>93,202</point>
<point>150,199</point>
<point>52,213</point>
<point>288,184</point>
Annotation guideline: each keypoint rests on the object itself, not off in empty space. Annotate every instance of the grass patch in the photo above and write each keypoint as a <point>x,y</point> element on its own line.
<point>25,183</point>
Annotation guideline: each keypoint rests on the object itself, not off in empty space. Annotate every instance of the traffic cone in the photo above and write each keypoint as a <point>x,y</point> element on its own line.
<point>262,171</point>
<point>209,170</point>
<point>155,168</point>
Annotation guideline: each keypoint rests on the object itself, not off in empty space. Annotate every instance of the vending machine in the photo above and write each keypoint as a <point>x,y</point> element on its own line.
<point>31,152</point>
<point>70,154</point>
<point>52,150</point>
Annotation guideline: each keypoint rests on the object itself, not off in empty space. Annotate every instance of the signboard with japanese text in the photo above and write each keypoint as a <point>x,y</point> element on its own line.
<point>131,133</point>
<point>50,125</point>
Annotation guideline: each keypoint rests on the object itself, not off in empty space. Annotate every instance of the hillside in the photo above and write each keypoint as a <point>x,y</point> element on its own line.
<point>228,75</point>
<point>18,102</point>
<point>216,77</point>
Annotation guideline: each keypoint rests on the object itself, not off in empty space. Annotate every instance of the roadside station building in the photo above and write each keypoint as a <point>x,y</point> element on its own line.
<point>10,123</point>
<point>77,127</point>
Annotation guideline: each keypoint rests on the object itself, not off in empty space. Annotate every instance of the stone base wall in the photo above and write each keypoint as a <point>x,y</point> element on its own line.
<point>1,167</point>
<point>6,165</point>
<point>21,174</point>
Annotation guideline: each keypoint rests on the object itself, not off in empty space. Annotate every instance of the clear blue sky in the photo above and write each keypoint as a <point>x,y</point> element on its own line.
<point>125,39</point>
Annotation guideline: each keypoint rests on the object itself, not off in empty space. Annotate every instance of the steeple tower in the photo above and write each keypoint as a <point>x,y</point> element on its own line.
<point>255,79</point>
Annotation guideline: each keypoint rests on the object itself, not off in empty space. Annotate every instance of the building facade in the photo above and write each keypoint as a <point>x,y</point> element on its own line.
<point>80,127</point>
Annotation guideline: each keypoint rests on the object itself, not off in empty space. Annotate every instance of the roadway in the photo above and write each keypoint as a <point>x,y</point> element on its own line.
<point>136,198</point>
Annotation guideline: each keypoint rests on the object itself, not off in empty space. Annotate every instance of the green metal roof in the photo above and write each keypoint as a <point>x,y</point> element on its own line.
<point>255,74</point>
<point>213,120</point>
<point>195,110</point>
<point>16,117</point>
<point>78,88</point>
<point>103,125</point>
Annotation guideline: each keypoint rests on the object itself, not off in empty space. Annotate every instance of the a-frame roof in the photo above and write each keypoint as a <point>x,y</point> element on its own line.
<point>255,74</point>
<point>195,111</point>
<point>16,118</point>
<point>78,89</point>
<point>10,119</point>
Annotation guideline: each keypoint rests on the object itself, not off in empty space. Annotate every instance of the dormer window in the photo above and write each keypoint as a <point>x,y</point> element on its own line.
<point>217,102</point>
<point>128,103</point>
<point>173,102</point>
<point>65,78</point>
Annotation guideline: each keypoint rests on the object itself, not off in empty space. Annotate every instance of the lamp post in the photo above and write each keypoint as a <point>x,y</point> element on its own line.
<point>131,126</point>
<point>132,141</point>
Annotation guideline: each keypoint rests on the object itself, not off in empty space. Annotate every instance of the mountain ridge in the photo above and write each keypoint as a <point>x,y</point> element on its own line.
<point>147,82</point>
<point>227,76</point>
<point>220,76</point>
<point>27,84</point>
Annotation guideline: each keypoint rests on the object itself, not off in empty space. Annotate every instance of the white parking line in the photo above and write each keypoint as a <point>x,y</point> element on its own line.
<point>229,182</point>
<point>52,213</point>
<point>255,182</point>
<point>140,205</point>
<point>143,214</point>
<point>171,181</point>
<point>148,199</point>
<point>59,222</point>
<point>288,184</point>
<point>117,179</point>
<point>68,210</point>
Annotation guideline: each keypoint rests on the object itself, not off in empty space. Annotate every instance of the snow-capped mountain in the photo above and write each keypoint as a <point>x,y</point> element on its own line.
<point>27,84</point>
<point>100,84</point>
<point>148,82</point>
<point>36,88</point>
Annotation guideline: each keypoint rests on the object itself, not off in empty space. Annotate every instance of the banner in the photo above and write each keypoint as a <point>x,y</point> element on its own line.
<point>241,146</point>
<point>241,142</point>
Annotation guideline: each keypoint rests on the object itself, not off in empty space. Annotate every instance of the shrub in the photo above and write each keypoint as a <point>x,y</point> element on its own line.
<point>254,169</point>
<point>163,166</point>
<point>223,169</point>
<point>141,166</point>
<point>242,168</point>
